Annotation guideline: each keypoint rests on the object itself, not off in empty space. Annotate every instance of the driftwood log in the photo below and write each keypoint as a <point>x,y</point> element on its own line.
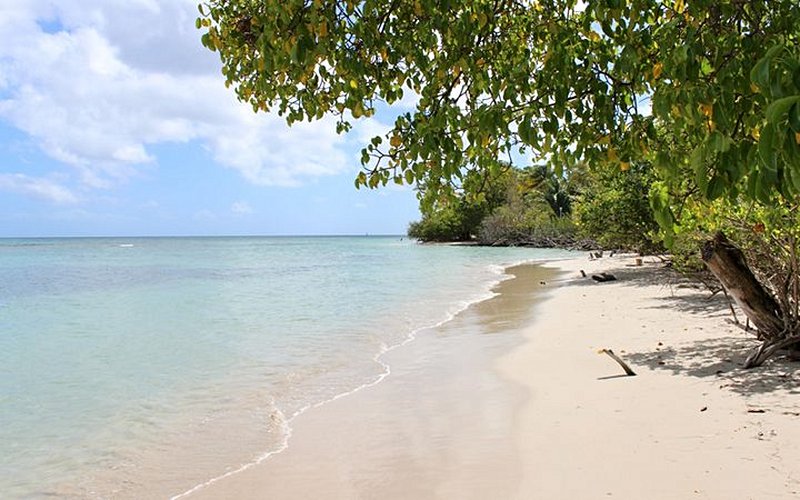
<point>728,264</point>
<point>628,371</point>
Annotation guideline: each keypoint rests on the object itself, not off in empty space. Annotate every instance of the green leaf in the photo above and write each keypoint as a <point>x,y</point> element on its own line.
<point>659,200</point>
<point>793,173</point>
<point>718,142</point>
<point>700,167</point>
<point>794,117</point>
<point>779,109</point>
<point>524,130</point>
<point>361,180</point>
<point>760,72</point>
<point>716,186</point>
<point>766,145</point>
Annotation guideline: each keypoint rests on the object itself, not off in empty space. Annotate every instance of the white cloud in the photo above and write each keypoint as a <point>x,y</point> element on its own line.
<point>97,83</point>
<point>241,208</point>
<point>366,129</point>
<point>37,187</point>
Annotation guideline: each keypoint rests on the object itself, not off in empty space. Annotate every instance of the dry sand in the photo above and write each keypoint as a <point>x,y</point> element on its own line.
<point>684,427</point>
<point>535,412</point>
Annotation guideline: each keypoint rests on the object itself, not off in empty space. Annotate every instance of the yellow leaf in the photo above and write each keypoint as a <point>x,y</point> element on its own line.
<point>755,133</point>
<point>322,29</point>
<point>593,36</point>
<point>797,137</point>
<point>679,5</point>
<point>353,84</point>
<point>612,155</point>
<point>624,166</point>
<point>418,8</point>
<point>395,141</point>
<point>657,69</point>
<point>357,110</point>
<point>707,109</point>
<point>754,88</point>
<point>606,139</point>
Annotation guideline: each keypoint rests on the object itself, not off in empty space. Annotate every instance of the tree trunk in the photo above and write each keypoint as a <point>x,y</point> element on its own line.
<point>729,266</point>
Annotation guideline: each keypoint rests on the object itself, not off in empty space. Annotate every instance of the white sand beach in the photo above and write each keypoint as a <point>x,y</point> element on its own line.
<point>468,415</point>
<point>691,424</point>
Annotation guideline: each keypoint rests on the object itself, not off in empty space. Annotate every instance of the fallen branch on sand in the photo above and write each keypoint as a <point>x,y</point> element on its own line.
<point>616,358</point>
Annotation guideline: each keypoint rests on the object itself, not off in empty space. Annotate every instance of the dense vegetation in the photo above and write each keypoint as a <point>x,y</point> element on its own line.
<point>534,207</point>
<point>506,210</point>
<point>699,100</point>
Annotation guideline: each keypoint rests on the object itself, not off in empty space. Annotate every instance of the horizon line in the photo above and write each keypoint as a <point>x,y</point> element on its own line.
<point>328,235</point>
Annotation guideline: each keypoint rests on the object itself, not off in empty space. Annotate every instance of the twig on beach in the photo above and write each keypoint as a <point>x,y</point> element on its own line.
<point>616,358</point>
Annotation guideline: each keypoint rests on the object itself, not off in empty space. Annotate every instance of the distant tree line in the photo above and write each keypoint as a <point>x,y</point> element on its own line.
<point>535,206</point>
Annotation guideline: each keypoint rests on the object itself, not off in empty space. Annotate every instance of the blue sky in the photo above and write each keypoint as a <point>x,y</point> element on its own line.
<point>114,120</point>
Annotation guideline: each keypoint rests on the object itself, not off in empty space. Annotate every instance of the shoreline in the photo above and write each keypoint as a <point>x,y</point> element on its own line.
<point>506,273</point>
<point>458,356</point>
<point>562,422</point>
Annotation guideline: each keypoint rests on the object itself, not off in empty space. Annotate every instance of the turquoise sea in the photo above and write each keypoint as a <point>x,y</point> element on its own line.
<point>123,358</point>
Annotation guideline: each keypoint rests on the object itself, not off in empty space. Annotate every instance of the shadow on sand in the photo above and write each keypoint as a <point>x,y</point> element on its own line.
<point>719,358</point>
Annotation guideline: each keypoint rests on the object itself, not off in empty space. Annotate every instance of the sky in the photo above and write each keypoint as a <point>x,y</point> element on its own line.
<point>115,121</point>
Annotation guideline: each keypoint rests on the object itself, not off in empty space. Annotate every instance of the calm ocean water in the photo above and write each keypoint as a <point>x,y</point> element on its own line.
<point>122,358</point>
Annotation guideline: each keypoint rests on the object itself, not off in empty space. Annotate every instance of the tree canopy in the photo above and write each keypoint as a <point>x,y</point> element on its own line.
<point>708,91</point>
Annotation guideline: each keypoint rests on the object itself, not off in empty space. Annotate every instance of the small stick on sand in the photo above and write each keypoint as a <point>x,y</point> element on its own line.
<point>616,358</point>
